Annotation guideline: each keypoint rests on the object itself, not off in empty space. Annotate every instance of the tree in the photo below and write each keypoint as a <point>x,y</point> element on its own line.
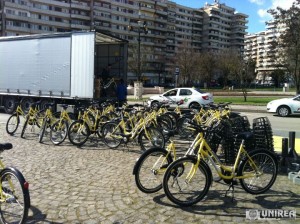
<point>133,59</point>
<point>278,76</point>
<point>227,63</point>
<point>185,60</point>
<point>287,46</point>
<point>206,65</point>
<point>245,73</point>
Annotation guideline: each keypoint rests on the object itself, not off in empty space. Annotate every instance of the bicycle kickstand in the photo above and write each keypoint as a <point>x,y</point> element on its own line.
<point>125,146</point>
<point>231,186</point>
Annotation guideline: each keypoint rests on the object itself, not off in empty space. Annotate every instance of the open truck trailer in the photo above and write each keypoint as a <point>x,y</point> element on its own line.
<point>60,67</point>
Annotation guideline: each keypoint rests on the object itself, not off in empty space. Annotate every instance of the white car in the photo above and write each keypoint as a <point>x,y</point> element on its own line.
<point>285,107</point>
<point>189,97</point>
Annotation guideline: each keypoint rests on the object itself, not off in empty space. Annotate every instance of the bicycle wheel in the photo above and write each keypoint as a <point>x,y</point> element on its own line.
<point>43,130</point>
<point>78,133</point>
<point>111,134</point>
<point>265,174</point>
<point>59,132</point>
<point>182,127</point>
<point>174,117</point>
<point>151,137</point>
<point>184,184</point>
<point>15,199</point>
<point>150,168</point>
<point>102,120</point>
<point>12,124</point>
<point>24,127</point>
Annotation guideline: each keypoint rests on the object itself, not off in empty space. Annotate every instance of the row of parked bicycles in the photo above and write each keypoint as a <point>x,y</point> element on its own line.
<point>221,144</point>
<point>222,147</point>
<point>104,120</point>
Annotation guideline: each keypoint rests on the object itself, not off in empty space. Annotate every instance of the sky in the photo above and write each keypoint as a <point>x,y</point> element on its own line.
<point>255,9</point>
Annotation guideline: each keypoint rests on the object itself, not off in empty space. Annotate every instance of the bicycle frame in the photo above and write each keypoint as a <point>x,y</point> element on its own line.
<point>205,152</point>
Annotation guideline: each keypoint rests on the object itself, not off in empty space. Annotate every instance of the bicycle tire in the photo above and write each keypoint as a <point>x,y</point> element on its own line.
<point>182,127</point>
<point>174,117</point>
<point>59,132</point>
<point>12,124</point>
<point>101,121</point>
<point>164,126</point>
<point>157,138</point>
<point>43,130</point>
<point>78,133</point>
<point>195,189</point>
<point>165,118</point>
<point>109,140</point>
<point>267,163</point>
<point>143,179</point>
<point>19,195</point>
<point>24,127</point>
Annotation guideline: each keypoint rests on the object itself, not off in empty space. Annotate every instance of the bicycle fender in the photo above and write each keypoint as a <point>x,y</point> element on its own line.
<point>135,168</point>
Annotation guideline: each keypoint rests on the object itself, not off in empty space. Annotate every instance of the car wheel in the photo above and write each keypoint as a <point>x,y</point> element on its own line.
<point>283,111</point>
<point>194,105</point>
<point>154,104</point>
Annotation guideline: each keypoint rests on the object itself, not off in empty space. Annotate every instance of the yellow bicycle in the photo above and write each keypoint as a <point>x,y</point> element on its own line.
<point>59,130</point>
<point>187,180</point>
<point>14,193</point>
<point>14,120</point>
<point>116,132</point>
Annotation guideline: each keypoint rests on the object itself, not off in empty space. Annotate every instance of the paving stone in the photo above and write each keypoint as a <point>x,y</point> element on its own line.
<point>94,184</point>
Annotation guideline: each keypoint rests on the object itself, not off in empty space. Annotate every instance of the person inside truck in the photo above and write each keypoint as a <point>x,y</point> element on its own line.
<point>106,73</point>
<point>121,92</point>
<point>104,79</point>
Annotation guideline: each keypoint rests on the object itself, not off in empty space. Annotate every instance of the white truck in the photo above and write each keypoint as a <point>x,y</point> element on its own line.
<point>59,67</point>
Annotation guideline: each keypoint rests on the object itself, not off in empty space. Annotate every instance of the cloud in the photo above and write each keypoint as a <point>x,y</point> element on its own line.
<point>258,2</point>
<point>285,4</point>
<point>263,13</point>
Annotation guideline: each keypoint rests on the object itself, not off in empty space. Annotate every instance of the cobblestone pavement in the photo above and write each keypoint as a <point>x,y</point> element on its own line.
<point>94,184</point>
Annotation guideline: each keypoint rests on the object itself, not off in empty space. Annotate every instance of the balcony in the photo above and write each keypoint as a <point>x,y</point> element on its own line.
<point>77,16</point>
<point>80,6</point>
<point>51,2</point>
<point>18,29</point>
<point>50,13</point>
<point>81,27</point>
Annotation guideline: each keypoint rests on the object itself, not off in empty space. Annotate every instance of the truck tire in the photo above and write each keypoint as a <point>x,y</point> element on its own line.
<point>25,104</point>
<point>10,104</point>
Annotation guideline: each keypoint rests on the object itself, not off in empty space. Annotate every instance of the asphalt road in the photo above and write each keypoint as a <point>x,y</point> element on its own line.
<point>281,126</point>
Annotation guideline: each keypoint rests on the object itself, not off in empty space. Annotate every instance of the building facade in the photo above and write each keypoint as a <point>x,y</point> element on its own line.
<point>159,27</point>
<point>259,48</point>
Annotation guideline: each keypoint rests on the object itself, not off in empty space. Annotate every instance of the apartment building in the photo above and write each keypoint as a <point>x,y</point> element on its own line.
<point>223,27</point>
<point>168,25</point>
<point>258,47</point>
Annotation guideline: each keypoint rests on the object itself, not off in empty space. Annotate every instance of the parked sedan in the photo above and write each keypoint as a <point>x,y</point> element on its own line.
<point>285,107</point>
<point>189,97</point>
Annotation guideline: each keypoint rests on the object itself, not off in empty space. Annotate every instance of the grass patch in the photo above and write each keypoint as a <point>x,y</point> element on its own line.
<point>259,101</point>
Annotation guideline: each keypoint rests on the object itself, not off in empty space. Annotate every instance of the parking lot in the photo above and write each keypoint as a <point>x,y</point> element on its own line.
<point>94,184</point>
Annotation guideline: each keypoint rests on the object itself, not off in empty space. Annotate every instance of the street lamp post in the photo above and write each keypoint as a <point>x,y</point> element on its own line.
<point>142,27</point>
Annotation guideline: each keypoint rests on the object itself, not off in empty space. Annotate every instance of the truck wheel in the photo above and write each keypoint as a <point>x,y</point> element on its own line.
<point>10,104</point>
<point>44,104</point>
<point>25,104</point>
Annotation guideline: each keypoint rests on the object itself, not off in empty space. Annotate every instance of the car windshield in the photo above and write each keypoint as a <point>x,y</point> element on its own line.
<point>200,91</point>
